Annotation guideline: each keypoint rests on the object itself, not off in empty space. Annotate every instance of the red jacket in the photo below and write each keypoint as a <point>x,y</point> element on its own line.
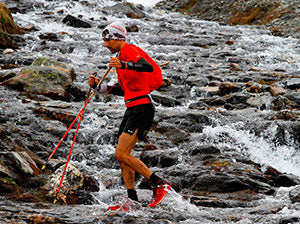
<point>134,83</point>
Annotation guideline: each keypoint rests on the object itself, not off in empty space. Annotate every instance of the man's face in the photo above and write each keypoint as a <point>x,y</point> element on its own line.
<point>112,45</point>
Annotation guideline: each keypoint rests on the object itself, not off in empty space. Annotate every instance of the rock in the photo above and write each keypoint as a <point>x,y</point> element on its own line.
<point>46,77</point>
<point>49,36</point>
<point>7,27</point>
<point>294,194</point>
<point>24,163</point>
<point>7,24</point>
<point>205,150</point>
<point>276,90</point>
<point>159,158</point>
<point>165,100</point>
<point>293,83</point>
<point>65,117</point>
<point>267,209</point>
<point>207,91</point>
<point>289,220</point>
<point>294,96</point>
<point>259,102</point>
<point>228,87</point>
<point>282,179</point>
<point>194,80</point>
<point>73,180</point>
<point>127,9</point>
<point>75,22</point>
<point>6,171</point>
<point>54,64</point>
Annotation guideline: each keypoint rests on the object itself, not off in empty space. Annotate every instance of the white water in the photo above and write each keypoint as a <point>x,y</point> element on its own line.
<point>285,158</point>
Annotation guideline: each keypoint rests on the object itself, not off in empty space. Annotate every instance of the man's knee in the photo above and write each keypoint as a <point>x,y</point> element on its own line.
<point>121,156</point>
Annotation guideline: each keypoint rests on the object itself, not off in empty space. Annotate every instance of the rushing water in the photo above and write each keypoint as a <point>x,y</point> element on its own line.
<point>83,49</point>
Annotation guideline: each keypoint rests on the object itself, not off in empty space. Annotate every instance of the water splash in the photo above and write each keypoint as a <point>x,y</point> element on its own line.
<point>285,158</point>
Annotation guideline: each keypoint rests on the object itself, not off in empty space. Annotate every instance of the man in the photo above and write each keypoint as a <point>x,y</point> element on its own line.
<point>134,68</point>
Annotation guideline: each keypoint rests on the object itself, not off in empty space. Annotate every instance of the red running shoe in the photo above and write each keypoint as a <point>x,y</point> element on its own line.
<point>160,192</point>
<point>128,205</point>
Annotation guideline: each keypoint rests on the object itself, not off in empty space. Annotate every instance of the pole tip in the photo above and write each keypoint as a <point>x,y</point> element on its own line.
<point>43,167</point>
<point>54,201</point>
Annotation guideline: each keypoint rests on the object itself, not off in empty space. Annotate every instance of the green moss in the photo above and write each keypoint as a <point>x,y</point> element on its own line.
<point>7,180</point>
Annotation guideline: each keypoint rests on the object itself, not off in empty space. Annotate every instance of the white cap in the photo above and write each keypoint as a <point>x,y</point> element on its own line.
<point>115,31</point>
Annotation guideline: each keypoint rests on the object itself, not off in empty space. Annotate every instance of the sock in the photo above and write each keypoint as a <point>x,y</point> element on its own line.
<point>132,194</point>
<point>155,179</point>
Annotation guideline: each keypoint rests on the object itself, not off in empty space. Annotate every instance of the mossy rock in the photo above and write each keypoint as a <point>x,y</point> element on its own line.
<point>51,63</point>
<point>42,80</point>
<point>7,27</point>
<point>6,41</point>
<point>7,24</point>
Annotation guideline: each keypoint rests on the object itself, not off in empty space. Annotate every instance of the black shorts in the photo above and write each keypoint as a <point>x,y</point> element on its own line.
<point>138,117</point>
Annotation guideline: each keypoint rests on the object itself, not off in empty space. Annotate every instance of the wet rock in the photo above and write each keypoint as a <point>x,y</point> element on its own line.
<point>24,163</point>
<point>197,81</point>
<point>294,194</point>
<point>159,158</point>
<point>165,100</point>
<point>127,9</point>
<point>8,186</point>
<point>259,102</point>
<point>8,26</point>
<point>267,209</point>
<point>276,90</point>
<point>289,220</point>
<point>49,37</point>
<point>44,77</point>
<point>7,23</point>
<point>73,180</point>
<point>282,179</point>
<point>293,83</point>
<point>294,96</point>
<point>207,91</point>
<point>40,219</point>
<point>205,150</point>
<point>282,103</point>
<point>244,198</point>
<point>228,87</point>
<point>75,22</point>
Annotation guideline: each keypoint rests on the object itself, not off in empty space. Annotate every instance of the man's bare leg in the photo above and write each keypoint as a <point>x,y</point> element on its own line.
<point>130,164</point>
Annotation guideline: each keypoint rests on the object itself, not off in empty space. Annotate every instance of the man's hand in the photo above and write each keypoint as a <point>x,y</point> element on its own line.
<point>115,62</point>
<point>93,80</point>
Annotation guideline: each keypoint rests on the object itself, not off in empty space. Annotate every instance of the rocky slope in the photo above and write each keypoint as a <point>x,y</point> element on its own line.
<point>282,17</point>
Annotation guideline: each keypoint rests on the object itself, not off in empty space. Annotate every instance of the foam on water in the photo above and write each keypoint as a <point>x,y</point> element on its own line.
<point>285,158</point>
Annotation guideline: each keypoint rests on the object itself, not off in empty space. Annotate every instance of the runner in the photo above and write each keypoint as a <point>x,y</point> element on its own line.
<point>138,75</point>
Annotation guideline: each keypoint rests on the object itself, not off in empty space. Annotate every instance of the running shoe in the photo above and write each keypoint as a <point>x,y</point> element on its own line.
<point>160,192</point>
<point>128,205</point>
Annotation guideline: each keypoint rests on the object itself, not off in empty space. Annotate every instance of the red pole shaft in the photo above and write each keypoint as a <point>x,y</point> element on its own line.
<point>69,156</point>
<point>81,111</point>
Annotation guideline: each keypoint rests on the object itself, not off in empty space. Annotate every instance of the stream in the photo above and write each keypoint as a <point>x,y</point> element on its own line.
<point>192,47</point>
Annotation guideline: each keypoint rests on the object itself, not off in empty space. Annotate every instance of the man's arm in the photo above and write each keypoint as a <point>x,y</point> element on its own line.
<point>141,65</point>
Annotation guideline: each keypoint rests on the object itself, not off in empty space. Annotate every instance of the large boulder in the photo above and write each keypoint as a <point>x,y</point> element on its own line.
<point>127,9</point>
<point>72,181</point>
<point>7,27</point>
<point>45,76</point>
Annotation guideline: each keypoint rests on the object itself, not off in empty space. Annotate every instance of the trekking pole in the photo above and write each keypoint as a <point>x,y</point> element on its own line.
<point>71,149</point>
<point>72,124</point>
<point>68,159</point>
